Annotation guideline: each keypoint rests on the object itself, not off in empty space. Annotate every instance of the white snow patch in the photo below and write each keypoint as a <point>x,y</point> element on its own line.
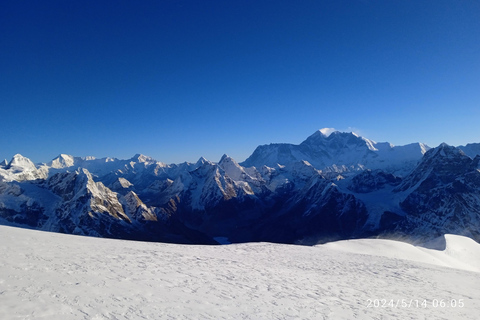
<point>327,131</point>
<point>449,251</point>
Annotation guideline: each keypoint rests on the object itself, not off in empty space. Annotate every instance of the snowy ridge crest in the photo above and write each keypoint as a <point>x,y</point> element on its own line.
<point>345,151</point>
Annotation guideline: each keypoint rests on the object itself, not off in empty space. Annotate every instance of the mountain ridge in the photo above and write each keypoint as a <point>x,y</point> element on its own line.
<point>339,152</point>
<point>333,185</point>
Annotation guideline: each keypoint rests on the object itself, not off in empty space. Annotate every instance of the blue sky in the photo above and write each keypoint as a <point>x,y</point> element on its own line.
<point>177,80</point>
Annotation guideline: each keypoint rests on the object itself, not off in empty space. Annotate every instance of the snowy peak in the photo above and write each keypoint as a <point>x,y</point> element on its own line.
<point>62,161</point>
<point>21,163</point>
<point>326,131</point>
<point>102,199</point>
<point>337,140</point>
<point>226,162</point>
<point>441,191</point>
<point>445,154</point>
<point>445,163</point>
<point>320,136</point>
<point>224,156</point>
<point>201,161</point>
<point>209,185</point>
<point>140,158</point>
<point>248,179</point>
<point>336,151</point>
<point>21,168</point>
<point>230,166</point>
<point>205,166</point>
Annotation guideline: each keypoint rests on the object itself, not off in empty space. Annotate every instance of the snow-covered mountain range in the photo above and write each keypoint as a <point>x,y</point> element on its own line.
<point>334,185</point>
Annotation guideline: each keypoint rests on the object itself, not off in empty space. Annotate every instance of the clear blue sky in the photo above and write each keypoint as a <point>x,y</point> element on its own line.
<point>177,80</point>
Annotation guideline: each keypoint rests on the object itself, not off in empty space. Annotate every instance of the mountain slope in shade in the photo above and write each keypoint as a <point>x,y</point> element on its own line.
<point>443,193</point>
<point>472,149</point>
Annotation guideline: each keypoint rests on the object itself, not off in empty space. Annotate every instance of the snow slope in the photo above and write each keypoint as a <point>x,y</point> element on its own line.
<point>449,250</point>
<point>48,275</point>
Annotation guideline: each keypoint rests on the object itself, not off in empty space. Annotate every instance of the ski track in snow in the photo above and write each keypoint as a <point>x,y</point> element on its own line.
<point>53,276</point>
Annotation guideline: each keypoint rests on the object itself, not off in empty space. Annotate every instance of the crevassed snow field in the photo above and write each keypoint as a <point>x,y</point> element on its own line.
<point>54,276</point>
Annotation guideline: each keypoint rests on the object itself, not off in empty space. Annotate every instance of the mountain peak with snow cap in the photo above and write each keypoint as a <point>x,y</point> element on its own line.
<point>21,168</point>
<point>62,161</point>
<point>21,163</point>
<point>142,158</point>
<point>201,161</point>
<point>227,160</point>
<point>445,150</point>
<point>327,131</point>
<point>232,168</point>
<point>445,163</point>
<point>225,157</point>
<point>322,134</point>
<point>343,151</point>
<point>337,140</point>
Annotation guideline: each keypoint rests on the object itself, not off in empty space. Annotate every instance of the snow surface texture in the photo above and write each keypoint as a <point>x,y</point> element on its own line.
<point>54,276</point>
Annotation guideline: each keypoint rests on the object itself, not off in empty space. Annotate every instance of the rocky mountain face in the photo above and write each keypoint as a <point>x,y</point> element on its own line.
<point>443,193</point>
<point>335,186</point>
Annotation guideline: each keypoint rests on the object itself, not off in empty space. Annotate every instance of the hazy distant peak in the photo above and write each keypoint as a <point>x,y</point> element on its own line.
<point>62,161</point>
<point>142,158</point>
<point>471,149</point>
<point>201,161</point>
<point>224,157</point>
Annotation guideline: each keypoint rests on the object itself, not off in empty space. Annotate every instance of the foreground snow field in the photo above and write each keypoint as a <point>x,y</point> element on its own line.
<point>54,276</point>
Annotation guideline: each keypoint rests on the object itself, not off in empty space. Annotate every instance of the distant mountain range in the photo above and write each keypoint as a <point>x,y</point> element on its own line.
<point>334,185</point>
